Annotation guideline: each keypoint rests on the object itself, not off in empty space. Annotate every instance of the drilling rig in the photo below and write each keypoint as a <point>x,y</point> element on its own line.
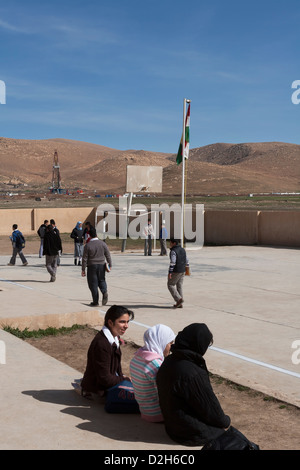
<point>56,175</point>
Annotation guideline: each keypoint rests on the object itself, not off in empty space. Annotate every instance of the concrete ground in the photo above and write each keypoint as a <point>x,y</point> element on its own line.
<point>248,296</point>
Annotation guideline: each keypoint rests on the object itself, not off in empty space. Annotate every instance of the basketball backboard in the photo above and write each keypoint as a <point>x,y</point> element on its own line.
<point>144,179</point>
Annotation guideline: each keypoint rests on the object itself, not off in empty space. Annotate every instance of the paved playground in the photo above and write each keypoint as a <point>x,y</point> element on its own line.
<point>248,296</point>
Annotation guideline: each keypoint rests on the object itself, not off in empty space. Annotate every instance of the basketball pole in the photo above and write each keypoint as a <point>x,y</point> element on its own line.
<point>129,203</point>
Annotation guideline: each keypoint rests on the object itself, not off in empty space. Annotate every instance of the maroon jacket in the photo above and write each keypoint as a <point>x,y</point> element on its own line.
<point>103,362</point>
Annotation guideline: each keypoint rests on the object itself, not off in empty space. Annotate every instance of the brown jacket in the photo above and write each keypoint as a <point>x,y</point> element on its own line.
<point>103,362</point>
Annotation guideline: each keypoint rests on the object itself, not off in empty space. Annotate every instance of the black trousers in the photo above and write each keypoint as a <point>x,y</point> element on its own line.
<point>96,279</point>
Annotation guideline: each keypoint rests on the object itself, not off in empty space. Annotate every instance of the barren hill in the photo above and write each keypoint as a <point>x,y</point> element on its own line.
<point>270,156</point>
<point>216,168</point>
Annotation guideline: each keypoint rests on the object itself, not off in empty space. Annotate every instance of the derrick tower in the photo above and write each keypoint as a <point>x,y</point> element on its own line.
<point>55,174</point>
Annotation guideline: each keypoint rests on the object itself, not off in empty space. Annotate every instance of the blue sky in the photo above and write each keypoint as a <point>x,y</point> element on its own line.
<point>116,73</point>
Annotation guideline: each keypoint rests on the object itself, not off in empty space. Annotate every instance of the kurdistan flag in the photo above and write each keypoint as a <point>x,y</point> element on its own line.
<point>187,139</point>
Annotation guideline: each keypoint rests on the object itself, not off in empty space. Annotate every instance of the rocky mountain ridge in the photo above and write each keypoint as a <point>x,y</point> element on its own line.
<point>213,169</point>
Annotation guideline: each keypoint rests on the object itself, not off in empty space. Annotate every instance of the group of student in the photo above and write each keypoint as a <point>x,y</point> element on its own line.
<point>168,374</point>
<point>79,234</point>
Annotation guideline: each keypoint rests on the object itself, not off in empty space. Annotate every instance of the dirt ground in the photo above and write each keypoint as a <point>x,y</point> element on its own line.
<point>271,424</point>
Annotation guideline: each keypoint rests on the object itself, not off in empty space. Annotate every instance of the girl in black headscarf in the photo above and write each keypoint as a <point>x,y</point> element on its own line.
<point>192,413</point>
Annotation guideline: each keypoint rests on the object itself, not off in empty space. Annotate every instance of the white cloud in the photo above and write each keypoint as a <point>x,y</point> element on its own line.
<point>10,27</point>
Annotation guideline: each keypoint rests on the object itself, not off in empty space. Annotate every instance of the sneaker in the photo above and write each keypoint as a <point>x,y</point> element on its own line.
<point>10,264</point>
<point>53,279</point>
<point>105,298</point>
<point>94,304</point>
<point>178,303</point>
<point>26,263</point>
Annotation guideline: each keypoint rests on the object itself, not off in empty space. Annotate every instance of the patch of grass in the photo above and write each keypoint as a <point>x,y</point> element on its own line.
<point>217,380</point>
<point>219,202</point>
<point>241,388</point>
<point>268,398</point>
<point>51,331</point>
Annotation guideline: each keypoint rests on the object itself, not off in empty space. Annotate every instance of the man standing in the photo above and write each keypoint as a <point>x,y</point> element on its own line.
<point>163,235</point>
<point>18,243</point>
<point>52,246</point>
<point>95,255</point>
<point>41,233</point>
<point>148,233</point>
<point>52,222</point>
<point>178,262</point>
<point>77,235</point>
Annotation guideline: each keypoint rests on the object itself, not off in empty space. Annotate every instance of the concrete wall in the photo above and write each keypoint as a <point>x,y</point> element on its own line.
<point>230,227</point>
<point>29,220</point>
<point>277,228</point>
<point>24,219</point>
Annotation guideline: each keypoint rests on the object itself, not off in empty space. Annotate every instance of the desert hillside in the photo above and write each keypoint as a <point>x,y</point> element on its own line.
<point>212,169</point>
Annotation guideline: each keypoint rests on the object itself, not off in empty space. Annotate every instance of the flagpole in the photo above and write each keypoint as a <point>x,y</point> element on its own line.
<point>183,169</point>
<point>183,176</point>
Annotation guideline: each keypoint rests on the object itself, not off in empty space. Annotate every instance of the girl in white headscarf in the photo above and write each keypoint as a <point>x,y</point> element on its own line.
<point>144,367</point>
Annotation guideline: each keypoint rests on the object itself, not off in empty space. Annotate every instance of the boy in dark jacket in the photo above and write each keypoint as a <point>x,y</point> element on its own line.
<point>52,246</point>
<point>17,241</point>
<point>178,263</point>
<point>191,410</point>
<point>41,233</point>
